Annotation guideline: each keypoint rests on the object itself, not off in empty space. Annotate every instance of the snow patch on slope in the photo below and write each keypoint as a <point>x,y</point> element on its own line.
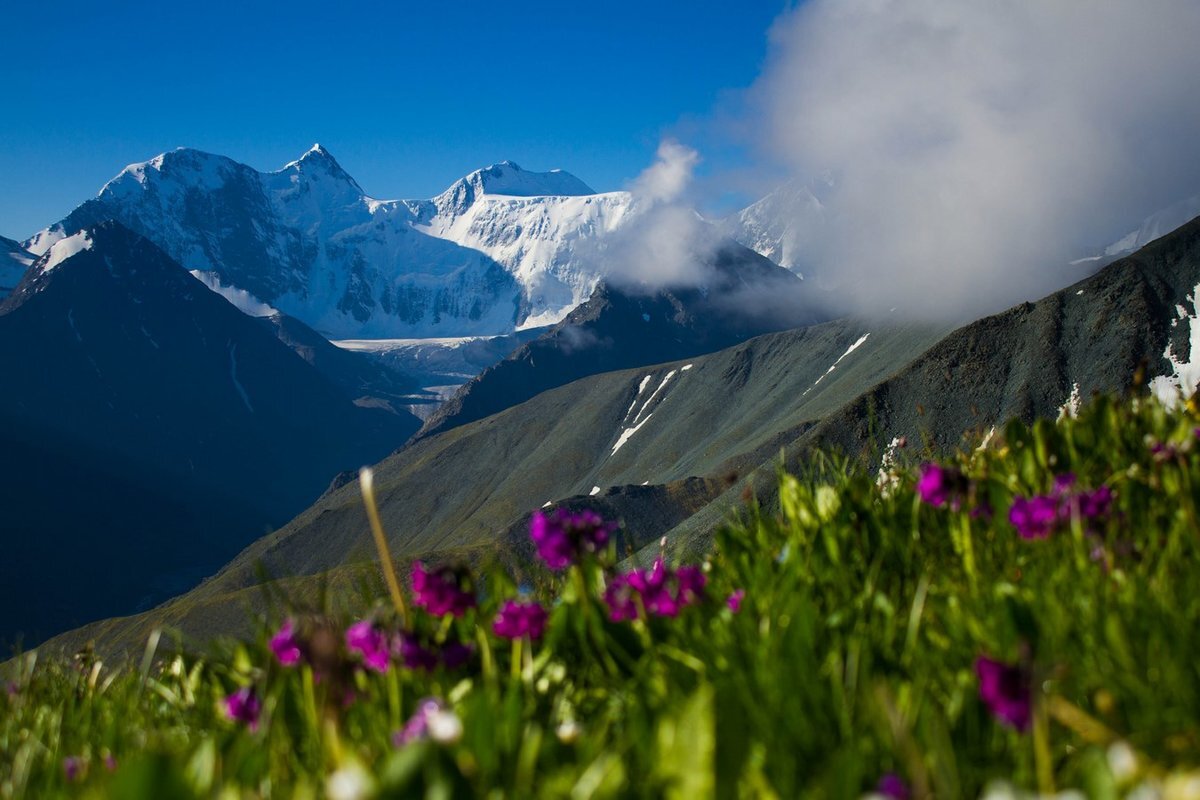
<point>241,299</point>
<point>65,248</point>
<point>849,350</point>
<point>1180,383</point>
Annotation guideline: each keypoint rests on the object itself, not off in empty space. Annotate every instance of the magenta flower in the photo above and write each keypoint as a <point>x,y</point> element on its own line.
<point>734,602</point>
<point>413,654</point>
<point>892,786</point>
<point>1035,517</point>
<point>563,536</point>
<point>1096,503</point>
<point>366,639</point>
<point>244,706</point>
<point>72,768</point>
<point>621,598</point>
<point>1062,483</point>
<point>433,719</point>
<point>663,591</point>
<point>516,620</point>
<point>455,654</point>
<point>285,645</point>
<point>1006,690</point>
<point>940,485</point>
<point>110,762</point>
<point>442,590</point>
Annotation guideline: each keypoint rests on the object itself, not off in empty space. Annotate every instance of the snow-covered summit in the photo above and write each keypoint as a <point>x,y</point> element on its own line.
<point>496,251</point>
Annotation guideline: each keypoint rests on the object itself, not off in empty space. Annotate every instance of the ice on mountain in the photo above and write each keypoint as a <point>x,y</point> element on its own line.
<point>65,248</point>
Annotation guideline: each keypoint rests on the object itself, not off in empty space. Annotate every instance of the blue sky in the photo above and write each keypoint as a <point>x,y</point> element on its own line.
<point>408,97</point>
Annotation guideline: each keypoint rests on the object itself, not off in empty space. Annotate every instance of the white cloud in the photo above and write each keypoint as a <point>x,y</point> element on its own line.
<point>977,146</point>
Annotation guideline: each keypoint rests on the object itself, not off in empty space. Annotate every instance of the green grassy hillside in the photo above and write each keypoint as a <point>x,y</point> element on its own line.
<point>1021,614</point>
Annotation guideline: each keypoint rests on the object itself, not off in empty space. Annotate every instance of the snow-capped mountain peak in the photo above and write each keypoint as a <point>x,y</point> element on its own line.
<point>494,252</point>
<point>507,179</point>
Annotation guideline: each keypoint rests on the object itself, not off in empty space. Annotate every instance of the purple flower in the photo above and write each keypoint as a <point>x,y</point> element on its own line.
<point>664,591</point>
<point>1062,483</point>
<point>940,485</point>
<point>432,719</point>
<point>110,762</point>
<point>370,642</point>
<point>72,768</point>
<point>418,724</point>
<point>455,654</point>
<point>621,598</point>
<point>562,536</point>
<point>244,706</point>
<point>1096,503</point>
<point>892,786</point>
<point>735,600</point>
<point>1034,517</point>
<point>442,590</point>
<point>516,620</point>
<point>1006,691</point>
<point>285,645</point>
<point>12,689</point>
<point>414,655</point>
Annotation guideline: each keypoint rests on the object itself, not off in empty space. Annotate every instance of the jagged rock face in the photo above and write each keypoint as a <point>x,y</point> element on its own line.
<point>494,252</point>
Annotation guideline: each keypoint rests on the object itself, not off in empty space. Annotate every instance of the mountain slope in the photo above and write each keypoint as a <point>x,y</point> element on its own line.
<point>685,426</point>
<point>14,260</point>
<point>123,371</point>
<point>619,328</point>
<point>493,252</point>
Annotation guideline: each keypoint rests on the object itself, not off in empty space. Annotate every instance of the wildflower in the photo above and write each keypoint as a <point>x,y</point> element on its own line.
<point>620,596</point>
<point>940,485</point>
<point>432,719</point>
<point>350,782</point>
<point>110,762</point>
<point>370,642</point>
<point>442,590</point>
<point>562,536</point>
<point>244,706</point>
<point>1063,482</point>
<point>285,645</point>
<point>12,689</point>
<point>664,591</point>
<point>1034,517</point>
<point>455,654</point>
<point>1096,503</point>
<point>892,786</point>
<point>516,620</point>
<point>734,602</point>
<point>413,654</point>
<point>1006,691</point>
<point>73,768</point>
<point>568,731</point>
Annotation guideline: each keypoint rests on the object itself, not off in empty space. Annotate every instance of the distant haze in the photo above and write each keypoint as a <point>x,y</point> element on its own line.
<point>975,147</point>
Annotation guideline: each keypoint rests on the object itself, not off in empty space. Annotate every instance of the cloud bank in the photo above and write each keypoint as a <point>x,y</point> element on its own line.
<point>663,242</point>
<point>973,148</point>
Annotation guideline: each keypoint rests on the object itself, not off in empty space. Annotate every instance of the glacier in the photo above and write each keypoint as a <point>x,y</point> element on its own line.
<point>500,250</point>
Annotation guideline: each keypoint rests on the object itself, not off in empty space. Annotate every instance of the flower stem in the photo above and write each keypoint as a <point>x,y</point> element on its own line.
<point>366,482</point>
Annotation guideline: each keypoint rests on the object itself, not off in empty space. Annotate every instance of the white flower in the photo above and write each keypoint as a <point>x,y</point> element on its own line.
<point>444,727</point>
<point>351,782</point>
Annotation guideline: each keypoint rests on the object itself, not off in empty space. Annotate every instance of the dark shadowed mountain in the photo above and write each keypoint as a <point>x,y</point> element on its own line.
<point>619,328</point>
<point>150,430</point>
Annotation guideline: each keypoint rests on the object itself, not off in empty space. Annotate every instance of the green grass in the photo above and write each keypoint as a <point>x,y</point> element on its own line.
<point>852,656</point>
